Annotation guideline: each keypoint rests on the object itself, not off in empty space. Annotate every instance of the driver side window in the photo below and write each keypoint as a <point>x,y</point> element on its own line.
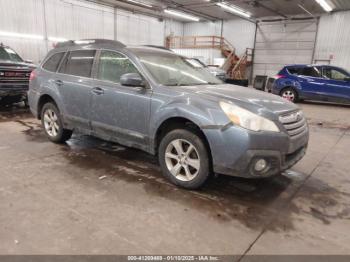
<point>113,65</point>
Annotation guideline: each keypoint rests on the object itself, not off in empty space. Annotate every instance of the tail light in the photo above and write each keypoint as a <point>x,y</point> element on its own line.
<point>32,76</point>
<point>279,76</point>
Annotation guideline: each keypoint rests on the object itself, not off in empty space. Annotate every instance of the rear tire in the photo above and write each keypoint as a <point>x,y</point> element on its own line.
<point>184,158</point>
<point>290,94</point>
<point>53,125</point>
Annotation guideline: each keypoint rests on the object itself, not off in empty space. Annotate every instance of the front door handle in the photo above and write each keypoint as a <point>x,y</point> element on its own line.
<point>98,91</point>
<point>58,82</point>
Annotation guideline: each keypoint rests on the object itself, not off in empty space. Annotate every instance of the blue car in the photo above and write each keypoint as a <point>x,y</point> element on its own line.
<point>313,82</point>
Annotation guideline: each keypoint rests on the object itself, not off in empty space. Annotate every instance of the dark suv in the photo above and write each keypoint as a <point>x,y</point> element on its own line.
<point>14,76</point>
<point>155,100</point>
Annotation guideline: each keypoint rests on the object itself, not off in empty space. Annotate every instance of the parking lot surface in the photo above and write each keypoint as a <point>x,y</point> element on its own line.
<point>93,197</point>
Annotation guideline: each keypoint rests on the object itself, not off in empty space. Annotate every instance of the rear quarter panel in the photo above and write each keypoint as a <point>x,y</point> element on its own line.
<point>43,84</point>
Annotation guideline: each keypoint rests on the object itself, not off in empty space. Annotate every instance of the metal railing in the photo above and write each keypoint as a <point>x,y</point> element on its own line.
<point>195,42</point>
<point>235,66</point>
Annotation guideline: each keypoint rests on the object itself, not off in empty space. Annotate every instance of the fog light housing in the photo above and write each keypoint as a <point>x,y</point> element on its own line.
<point>260,165</point>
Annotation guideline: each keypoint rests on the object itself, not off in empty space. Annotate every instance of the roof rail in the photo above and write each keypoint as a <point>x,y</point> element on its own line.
<point>89,42</point>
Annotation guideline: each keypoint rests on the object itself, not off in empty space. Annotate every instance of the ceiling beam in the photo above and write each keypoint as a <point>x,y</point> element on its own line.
<point>258,3</point>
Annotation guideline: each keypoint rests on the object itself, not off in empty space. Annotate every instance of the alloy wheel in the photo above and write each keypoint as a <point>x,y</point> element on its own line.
<point>182,160</point>
<point>289,95</point>
<point>51,123</point>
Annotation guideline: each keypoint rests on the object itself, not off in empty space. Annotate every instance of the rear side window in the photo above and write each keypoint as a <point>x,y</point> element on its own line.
<point>53,62</point>
<point>113,65</point>
<point>310,71</point>
<point>78,63</point>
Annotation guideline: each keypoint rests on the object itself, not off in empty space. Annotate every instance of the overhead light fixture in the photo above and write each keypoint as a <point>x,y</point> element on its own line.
<point>324,5</point>
<point>18,35</point>
<point>182,15</point>
<point>139,3</point>
<point>234,9</point>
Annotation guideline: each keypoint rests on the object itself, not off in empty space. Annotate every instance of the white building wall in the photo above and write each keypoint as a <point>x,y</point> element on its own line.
<point>240,33</point>
<point>75,19</point>
<point>333,40</point>
<point>172,27</point>
<point>18,17</point>
<point>202,29</point>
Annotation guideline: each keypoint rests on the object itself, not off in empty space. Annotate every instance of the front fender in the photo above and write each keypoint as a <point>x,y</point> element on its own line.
<point>205,114</point>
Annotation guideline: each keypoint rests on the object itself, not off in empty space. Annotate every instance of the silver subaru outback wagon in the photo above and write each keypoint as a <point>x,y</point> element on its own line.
<point>154,100</point>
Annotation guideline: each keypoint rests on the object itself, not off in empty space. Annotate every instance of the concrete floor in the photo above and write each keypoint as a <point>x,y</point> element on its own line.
<point>93,197</point>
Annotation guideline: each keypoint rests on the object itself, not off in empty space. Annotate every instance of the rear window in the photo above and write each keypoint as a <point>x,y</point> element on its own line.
<point>7,53</point>
<point>78,63</point>
<point>293,70</point>
<point>53,62</point>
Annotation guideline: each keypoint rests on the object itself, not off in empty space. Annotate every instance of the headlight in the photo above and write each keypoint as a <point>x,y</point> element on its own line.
<point>247,119</point>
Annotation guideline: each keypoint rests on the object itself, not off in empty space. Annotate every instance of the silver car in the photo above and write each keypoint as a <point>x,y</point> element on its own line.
<point>156,101</point>
<point>216,71</point>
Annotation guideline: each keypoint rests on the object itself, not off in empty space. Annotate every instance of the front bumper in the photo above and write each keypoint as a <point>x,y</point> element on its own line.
<point>13,89</point>
<point>235,151</point>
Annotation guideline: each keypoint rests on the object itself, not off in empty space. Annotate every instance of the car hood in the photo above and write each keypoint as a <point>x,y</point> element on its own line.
<point>245,97</point>
<point>16,65</point>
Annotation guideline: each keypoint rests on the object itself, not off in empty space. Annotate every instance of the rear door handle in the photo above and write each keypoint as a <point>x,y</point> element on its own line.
<point>98,91</point>
<point>58,82</point>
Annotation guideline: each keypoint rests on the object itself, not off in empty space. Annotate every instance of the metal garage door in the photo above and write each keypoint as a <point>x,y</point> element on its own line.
<point>282,43</point>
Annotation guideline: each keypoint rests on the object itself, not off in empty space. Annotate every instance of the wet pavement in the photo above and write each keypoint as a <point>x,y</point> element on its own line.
<point>93,197</point>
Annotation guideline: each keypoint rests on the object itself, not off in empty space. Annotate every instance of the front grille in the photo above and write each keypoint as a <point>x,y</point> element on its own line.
<point>14,76</point>
<point>295,123</point>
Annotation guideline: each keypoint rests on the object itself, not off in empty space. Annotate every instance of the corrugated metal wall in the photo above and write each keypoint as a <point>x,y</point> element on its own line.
<point>172,27</point>
<point>279,44</point>
<point>333,40</point>
<point>240,33</point>
<point>202,29</point>
<point>18,17</point>
<point>74,19</point>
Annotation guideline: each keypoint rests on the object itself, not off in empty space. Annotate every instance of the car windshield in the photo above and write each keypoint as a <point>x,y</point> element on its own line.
<point>8,54</point>
<point>173,70</point>
<point>196,62</point>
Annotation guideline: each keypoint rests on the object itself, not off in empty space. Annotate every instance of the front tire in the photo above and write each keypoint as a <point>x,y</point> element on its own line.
<point>290,94</point>
<point>53,125</point>
<point>184,158</point>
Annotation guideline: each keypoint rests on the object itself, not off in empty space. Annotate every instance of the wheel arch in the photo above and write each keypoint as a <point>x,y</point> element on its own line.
<point>290,87</point>
<point>172,123</point>
<point>44,99</point>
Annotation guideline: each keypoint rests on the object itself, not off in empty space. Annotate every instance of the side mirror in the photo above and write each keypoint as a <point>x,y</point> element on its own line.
<point>132,79</point>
